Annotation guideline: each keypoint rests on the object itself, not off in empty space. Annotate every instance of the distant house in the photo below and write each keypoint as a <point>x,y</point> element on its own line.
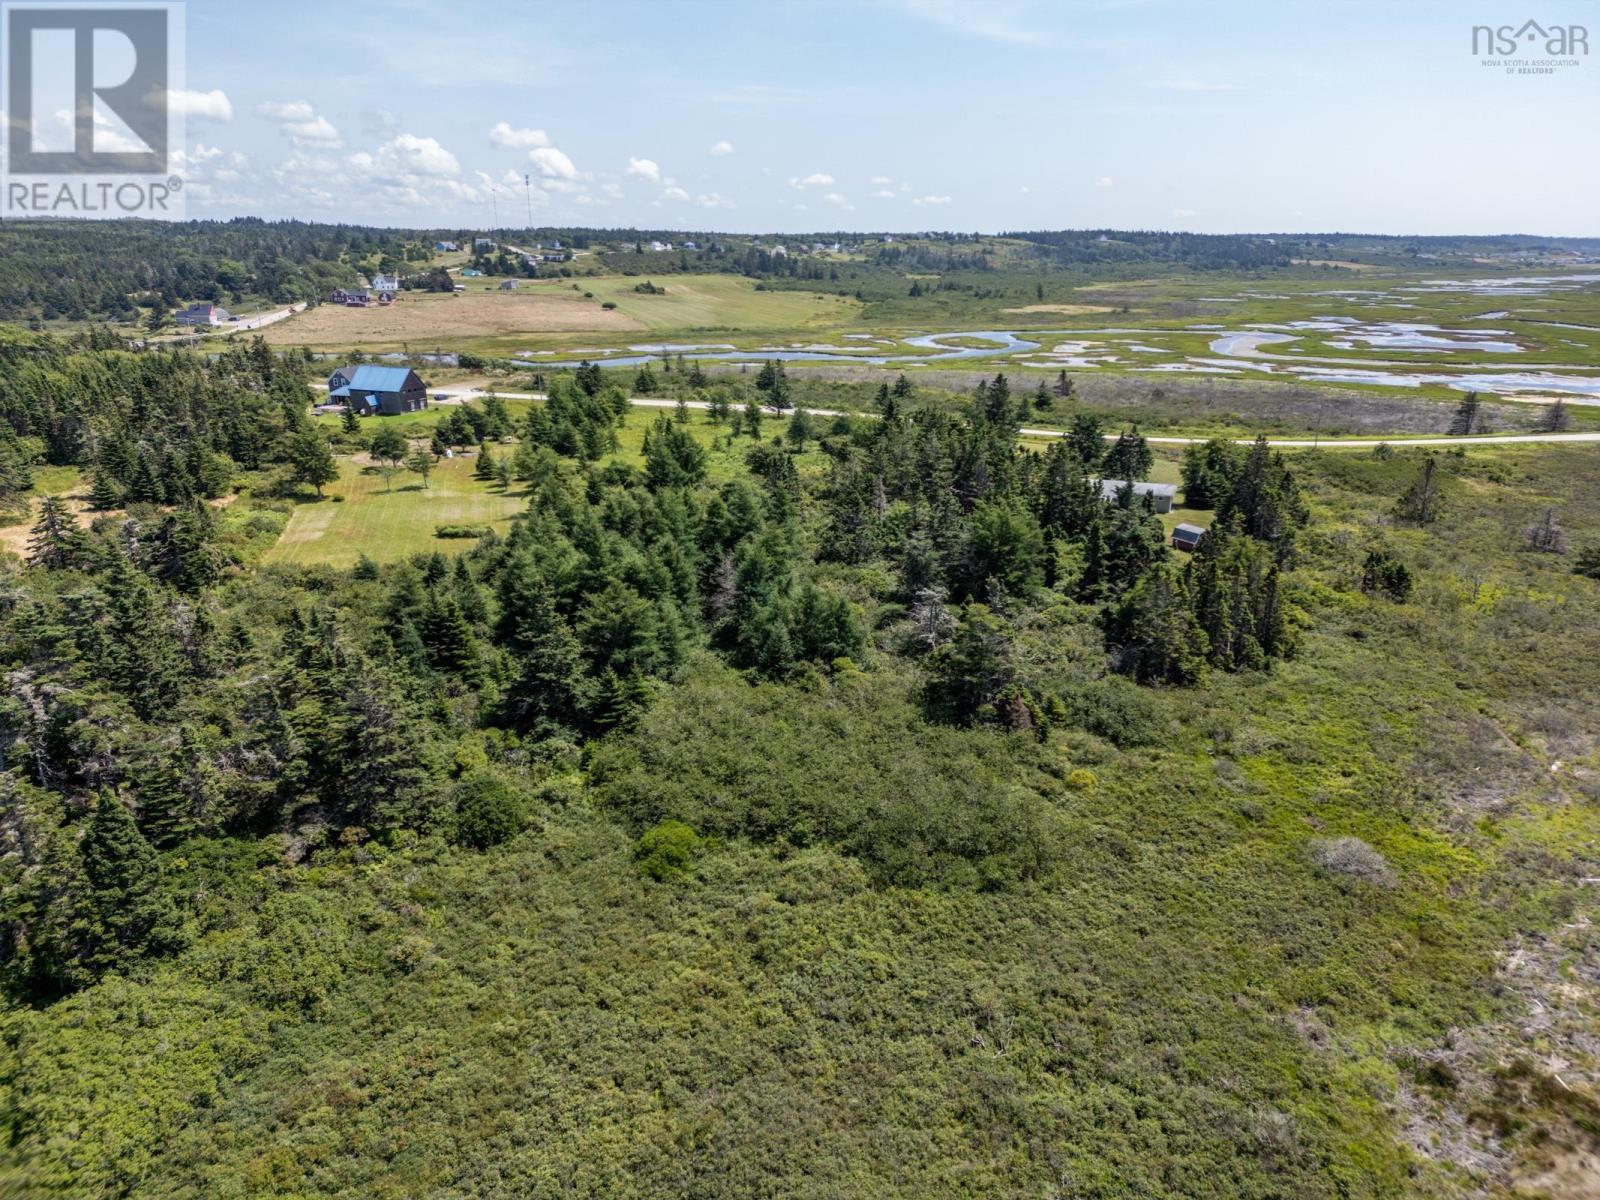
<point>483,243</point>
<point>471,273</point>
<point>385,285</point>
<point>445,246</point>
<point>780,251</point>
<point>659,247</point>
<point>509,285</point>
<point>555,244</point>
<point>371,389</point>
<point>204,314</point>
<point>691,246</point>
<point>358,297</point>
<point>1161,494</point>
<point>1187,537</point>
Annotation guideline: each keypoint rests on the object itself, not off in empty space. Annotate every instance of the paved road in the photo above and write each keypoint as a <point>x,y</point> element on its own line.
<point>263,320</point>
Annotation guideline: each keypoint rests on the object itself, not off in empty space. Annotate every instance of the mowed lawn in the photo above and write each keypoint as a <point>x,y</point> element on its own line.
<point>394,524</point>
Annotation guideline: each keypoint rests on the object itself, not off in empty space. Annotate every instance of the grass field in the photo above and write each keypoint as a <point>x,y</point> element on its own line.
<point>719,302</point>
<point>484,318</point>
<point>391,524</point>
<point>426,319</point>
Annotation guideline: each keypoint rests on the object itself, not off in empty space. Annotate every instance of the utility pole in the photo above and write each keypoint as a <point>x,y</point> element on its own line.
<point>527,191</point>
<point>494,195</point>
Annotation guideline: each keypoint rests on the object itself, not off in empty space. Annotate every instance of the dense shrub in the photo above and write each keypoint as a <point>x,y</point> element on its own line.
<point>489,811</point>
<point>668,850</point>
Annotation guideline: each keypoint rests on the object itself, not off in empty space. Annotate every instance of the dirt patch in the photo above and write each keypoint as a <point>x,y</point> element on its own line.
<point>424,319</point>
<point>1333,262</point>
<point>1066,310</point>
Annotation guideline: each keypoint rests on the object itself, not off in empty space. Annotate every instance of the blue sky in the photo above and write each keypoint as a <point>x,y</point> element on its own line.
<point>890,114</point>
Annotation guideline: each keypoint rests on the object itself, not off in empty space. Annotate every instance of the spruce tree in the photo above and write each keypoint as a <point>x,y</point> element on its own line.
<point>126,912</point>
<point>484,468</point>
<point>104,493</point>
<point>56,541</point>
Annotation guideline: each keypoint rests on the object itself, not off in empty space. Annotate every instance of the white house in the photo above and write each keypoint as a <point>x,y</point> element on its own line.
<point>204,314</point>
<point>444,246</point>
<point>658,247</point>
<point>385,285</point>
<point>483,243</point>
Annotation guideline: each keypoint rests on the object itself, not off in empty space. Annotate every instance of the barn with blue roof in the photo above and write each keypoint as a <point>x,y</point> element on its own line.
<point>370,389</point>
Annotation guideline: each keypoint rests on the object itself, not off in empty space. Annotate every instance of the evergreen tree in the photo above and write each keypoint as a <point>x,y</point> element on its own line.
<point>1557,418</point>
<point>1086,441</point>
<point>1422,503</point>
<point>484,468</point>
<point>800,429</point>
<point>420,462</point>
<point>104,493</point>
<point>312,459</point>
<point>55,541</point>
<point>1465,421</point>
<point>547,689</point>
<point>126,912</point>
<point>1129,457</point>
<point>1156,635</point>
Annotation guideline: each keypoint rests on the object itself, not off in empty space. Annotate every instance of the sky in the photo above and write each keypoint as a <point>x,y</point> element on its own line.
<point>974,115</point>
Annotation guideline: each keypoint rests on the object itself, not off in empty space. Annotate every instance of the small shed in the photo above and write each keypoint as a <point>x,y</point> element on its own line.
<point>1187,537</point>
<point>509,285</point>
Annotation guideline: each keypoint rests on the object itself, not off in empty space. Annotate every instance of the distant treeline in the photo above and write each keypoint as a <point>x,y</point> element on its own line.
<point>83,269</point>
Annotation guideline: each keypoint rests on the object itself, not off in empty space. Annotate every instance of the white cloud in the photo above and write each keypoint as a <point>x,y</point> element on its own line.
<point>611,189</point>
<point>1184,212</point>
<point>412,155</point>
<point>987,19</point>
<point>721,148</point>
<point>883,194</point>
<point>674,193</point>
<point>880,180</point>
<point>926,200</point>
<point>211,106</point>
<point>517,139</point>
<point>552,163</point>
<point>108,138</point>
<point>1103,182</point>
<point>815,179</point>
<point>317,132</point>
<point>713,200</point>
<point>287,110</point>
<point>644,168</point>
<point>300,122</point>
<point>838,201</point>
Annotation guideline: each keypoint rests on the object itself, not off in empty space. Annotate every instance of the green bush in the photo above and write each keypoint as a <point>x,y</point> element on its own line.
<point>489,811</point>
<point>668,850</point>
<point>460,531</point>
